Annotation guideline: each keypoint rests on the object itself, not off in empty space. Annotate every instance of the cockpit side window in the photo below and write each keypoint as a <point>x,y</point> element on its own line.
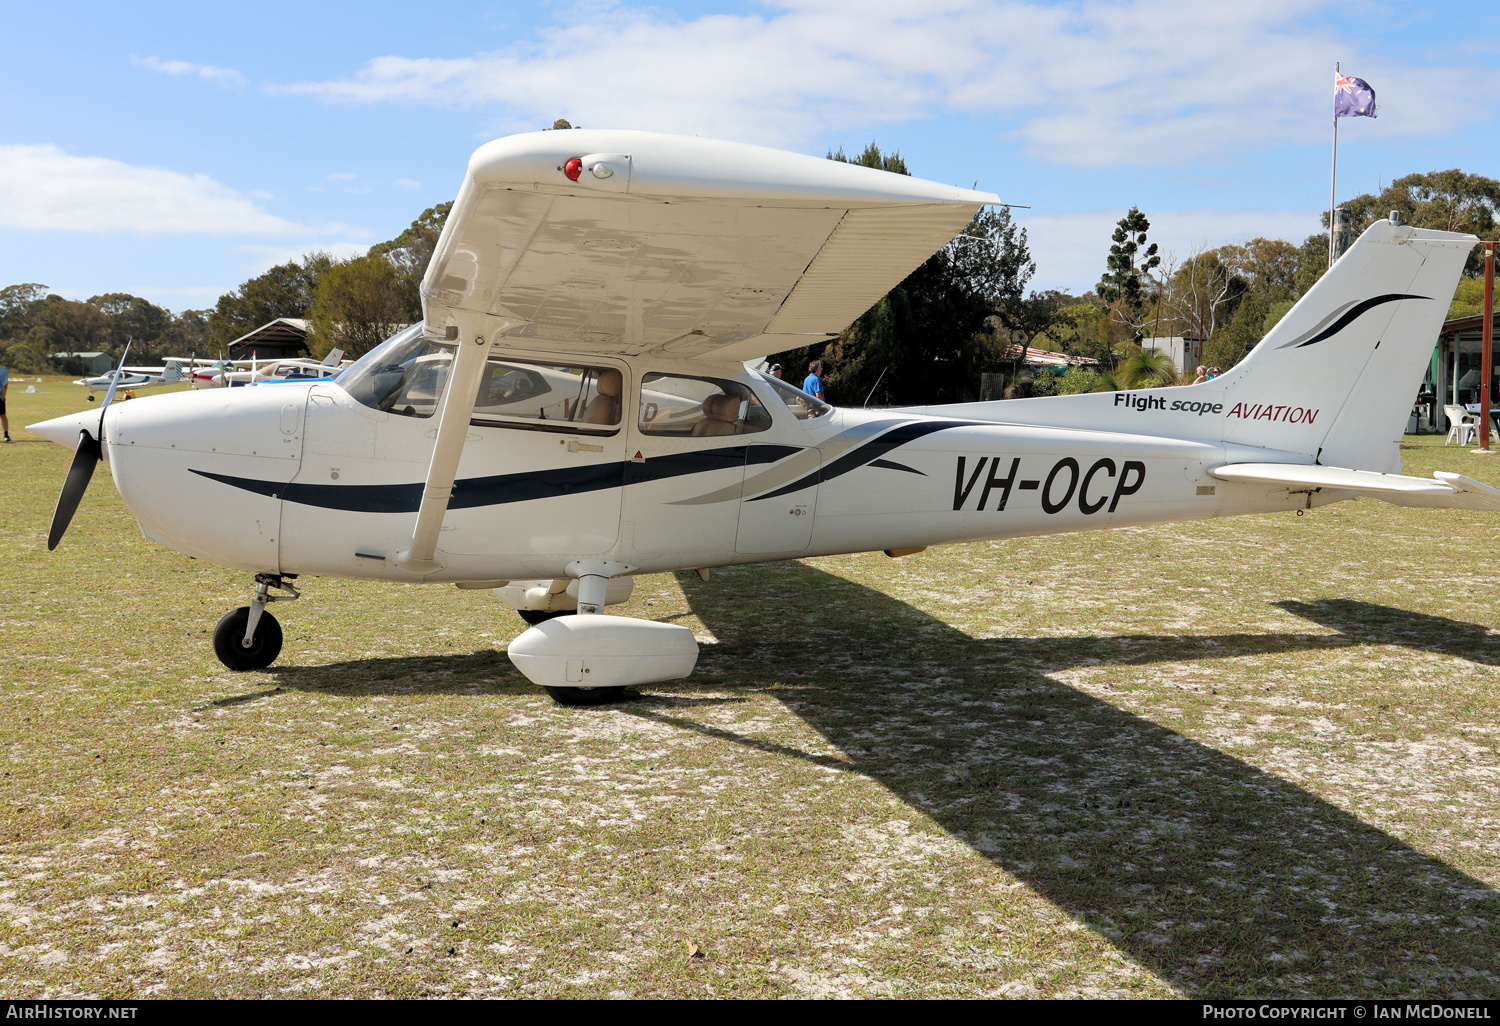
<point>404,375</point>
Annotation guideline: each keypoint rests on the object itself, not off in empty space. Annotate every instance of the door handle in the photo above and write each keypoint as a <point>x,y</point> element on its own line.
<point>574,445</point>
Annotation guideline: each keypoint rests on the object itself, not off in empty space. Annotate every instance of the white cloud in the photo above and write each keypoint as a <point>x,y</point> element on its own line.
<point>407,183</point>
<point>1088,82</point>
<point>43,188</point>
<point>223,76</point>
<point>1070,249</point>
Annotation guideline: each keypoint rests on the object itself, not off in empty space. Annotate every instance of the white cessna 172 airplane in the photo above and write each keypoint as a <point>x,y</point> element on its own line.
<point>575,409</point>
<point>135,377</point>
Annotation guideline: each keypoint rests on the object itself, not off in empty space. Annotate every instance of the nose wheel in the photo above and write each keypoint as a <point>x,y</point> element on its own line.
<point>249,638</point>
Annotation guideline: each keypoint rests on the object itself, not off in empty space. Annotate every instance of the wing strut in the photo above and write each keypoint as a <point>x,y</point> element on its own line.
<point>453,427</point>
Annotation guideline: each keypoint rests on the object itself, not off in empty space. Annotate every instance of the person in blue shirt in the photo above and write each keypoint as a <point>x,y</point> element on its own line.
<point>4,420</point>
<point>813,384</point>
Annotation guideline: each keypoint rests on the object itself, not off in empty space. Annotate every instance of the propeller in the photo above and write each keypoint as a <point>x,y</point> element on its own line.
<point>90,451</point>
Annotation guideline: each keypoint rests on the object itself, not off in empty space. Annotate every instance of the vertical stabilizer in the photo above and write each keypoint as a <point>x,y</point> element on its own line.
<point>1336,377</point>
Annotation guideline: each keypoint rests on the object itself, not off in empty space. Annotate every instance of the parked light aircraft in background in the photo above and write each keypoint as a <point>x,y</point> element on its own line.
<point>136,377</point>
<point>274,372</point>
<point>237,373</point>
<point>574,408</point>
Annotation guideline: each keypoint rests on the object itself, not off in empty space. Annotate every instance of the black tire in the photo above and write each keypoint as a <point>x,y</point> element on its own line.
<point>229,639</point>
<point>536,616</point>
<point>584,696</point>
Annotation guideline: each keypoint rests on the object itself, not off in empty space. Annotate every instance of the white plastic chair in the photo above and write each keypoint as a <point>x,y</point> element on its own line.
<point>1462,425</point>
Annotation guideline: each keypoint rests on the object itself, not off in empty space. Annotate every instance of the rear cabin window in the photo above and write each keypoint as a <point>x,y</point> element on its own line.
<point>685,407</point>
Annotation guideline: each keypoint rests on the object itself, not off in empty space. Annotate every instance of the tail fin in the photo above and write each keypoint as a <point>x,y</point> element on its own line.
<point>333,358</point>
<point>172,374</point>
<point>1350,355</point>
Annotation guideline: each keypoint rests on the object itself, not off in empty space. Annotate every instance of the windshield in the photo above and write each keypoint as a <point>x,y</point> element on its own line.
<point>403,375</point>
<point>802,405</point>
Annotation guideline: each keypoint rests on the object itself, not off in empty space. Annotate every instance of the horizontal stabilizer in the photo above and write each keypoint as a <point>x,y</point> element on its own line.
<point>1443,491</point>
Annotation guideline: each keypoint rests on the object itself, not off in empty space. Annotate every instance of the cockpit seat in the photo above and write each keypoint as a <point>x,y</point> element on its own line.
<point>720,416</point>
<point>604,408</point>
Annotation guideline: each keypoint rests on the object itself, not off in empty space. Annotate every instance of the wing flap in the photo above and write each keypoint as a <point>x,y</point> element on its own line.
<point>1443,491</point>
<point>868,254</point>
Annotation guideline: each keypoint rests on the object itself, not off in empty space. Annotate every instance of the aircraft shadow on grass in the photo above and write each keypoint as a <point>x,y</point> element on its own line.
<point>1211,873</point>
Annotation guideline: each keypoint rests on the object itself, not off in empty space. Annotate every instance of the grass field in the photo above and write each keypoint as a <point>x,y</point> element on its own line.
<point>1251,757</point>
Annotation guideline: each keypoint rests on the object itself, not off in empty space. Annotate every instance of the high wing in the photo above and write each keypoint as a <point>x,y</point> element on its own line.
<point>678,246</point>
<point>1443,491</point>
<point>626,243</point>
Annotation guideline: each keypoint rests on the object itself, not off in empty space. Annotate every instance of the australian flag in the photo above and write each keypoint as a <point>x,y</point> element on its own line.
<point>1353,98</point>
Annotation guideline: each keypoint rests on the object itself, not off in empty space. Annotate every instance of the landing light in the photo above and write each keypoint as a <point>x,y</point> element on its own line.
<point>573,168</point>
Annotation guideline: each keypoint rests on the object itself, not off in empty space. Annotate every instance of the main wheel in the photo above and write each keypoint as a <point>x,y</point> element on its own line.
<point>585,696</point>
<point>229,640</point>
<point>536,616</point>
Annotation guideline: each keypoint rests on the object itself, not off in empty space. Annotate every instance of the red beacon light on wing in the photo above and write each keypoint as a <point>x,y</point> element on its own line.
<point>573,167</point>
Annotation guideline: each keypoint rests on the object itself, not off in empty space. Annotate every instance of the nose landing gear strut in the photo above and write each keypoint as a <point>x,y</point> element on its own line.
<point>249,638</point>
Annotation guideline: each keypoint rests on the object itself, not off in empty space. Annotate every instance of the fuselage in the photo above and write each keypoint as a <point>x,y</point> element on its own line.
<point>308,479</point>
<point>102,383</point>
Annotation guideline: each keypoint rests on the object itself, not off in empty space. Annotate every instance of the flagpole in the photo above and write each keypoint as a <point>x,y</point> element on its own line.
<point>1334,177</point>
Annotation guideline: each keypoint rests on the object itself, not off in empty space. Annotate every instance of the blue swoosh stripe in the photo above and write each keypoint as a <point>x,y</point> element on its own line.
<point>869,452</point>
<point>1355,312</point>
<point>498,490</point>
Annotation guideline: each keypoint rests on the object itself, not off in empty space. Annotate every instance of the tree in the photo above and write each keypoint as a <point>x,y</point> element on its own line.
<point>186,335</point>
<point>1121,284</point>
<point>358,304</point>
<point>411,251</point>
<point>1084,327</point>
<point>871,156</point>
<point>1197,296</point>
<point>1049,314</point>
<point>1268,266</point>
<point>928,339</point>
<point>15,306</point>
<point>1450,201</point>
<point>286,290</point>
<point>50,324</point>
<point>134,320</point>
<point>1313,262</point>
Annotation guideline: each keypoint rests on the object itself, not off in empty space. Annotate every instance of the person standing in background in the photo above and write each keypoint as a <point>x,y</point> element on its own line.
<point>813,384</point>
<point>4,386</point>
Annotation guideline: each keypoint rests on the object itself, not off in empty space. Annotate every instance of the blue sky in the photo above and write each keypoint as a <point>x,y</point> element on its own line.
<point>174,150</point>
